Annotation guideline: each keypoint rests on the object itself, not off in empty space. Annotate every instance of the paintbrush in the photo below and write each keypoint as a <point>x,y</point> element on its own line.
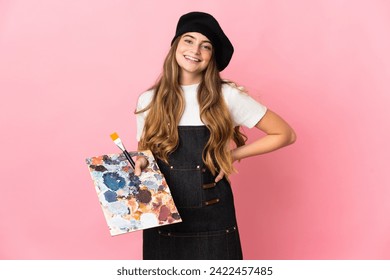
<point>118,142</point>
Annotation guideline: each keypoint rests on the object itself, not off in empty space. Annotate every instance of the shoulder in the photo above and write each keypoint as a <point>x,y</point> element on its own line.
<point>233,93</point>
<point>230,85</point>
<point>146,95</point>
<point>244,109</point>
<point>145,98</point>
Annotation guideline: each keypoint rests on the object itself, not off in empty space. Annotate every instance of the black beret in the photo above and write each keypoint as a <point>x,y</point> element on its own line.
<point>207,25</point>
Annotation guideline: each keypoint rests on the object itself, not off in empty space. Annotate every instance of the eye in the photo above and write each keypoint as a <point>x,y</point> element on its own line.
<point>188,41</point>
<point>207,47</point>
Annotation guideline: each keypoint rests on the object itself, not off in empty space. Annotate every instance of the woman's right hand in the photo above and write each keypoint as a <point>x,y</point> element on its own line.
<point>140,164</point>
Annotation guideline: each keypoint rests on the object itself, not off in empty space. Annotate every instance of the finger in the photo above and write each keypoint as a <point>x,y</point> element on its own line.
<point>138,167</point>
<point>137,171</point>
<point>219,177</point>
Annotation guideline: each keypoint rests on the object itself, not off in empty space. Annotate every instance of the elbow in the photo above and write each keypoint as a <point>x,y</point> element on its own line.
<point>292,137</point>
<point>289,137</point>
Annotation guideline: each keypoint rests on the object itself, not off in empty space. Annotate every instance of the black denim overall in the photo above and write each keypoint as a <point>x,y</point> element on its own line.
<point>209,229</point>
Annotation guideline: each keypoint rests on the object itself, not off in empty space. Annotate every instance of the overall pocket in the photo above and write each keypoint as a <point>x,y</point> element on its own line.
<point>218,245</point>
<point>186,187</point>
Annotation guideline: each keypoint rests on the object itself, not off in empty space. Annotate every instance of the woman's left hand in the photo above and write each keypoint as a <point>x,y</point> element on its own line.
<point>221,174</point>
<point>278,135</point>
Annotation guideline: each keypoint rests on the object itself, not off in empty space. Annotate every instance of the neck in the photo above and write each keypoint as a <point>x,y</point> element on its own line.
<point>190,79</point>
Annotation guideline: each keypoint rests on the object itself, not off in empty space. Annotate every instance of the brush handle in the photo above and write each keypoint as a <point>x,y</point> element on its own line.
<point>128,156</point>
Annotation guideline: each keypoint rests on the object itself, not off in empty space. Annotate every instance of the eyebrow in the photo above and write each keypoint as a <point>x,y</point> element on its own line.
<point>204,41</point>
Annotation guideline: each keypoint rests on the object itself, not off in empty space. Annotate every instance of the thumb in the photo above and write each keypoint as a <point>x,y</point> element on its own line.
<point>138,167</point>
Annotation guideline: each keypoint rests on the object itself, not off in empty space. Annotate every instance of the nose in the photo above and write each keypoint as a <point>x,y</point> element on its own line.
<point>196,49</point>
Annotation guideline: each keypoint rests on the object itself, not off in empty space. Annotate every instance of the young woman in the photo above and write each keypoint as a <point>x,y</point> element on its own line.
<point>188,120</point>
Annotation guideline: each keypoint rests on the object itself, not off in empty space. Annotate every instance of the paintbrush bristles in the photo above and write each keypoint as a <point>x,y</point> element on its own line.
<point>114,136</point>
<point>117,141</point>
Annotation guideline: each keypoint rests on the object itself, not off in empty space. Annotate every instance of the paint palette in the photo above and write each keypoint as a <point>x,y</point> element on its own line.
<point>131,202</point>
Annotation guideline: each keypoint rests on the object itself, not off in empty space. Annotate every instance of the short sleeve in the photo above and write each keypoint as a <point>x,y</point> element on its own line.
<point>143,101</point>
<point>243,109</point>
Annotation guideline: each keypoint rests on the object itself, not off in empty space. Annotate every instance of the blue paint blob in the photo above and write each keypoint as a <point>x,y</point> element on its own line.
<point>108,160</point>
<point>110,196</point>
<point>113,181</point>
<point>151,184</point>
<point>134,180</point>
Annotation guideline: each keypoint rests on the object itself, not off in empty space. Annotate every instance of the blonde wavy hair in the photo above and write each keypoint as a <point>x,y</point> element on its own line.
<point>160,133</point>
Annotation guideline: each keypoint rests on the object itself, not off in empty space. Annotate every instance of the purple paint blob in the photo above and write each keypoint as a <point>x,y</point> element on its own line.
<point>144,196</point>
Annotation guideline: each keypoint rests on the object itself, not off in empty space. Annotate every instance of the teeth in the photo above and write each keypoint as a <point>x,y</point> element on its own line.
<point>192,58</point>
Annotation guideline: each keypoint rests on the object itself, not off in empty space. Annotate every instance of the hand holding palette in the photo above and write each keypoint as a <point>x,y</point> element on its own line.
<point>131,202</point>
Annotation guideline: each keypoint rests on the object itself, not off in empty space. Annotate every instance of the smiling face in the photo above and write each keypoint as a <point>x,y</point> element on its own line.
<point>193,55</point>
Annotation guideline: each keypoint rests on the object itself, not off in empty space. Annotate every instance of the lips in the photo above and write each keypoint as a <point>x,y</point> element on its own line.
<point>192,58</point>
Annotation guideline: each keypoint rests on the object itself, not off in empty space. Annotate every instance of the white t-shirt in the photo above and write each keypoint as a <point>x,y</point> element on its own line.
<point>243,109</point>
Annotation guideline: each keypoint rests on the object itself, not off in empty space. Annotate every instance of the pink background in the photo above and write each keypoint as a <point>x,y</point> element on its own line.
<point>70,73</point>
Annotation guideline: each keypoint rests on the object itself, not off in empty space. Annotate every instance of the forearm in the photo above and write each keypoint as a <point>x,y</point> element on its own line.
<point>263,145</point>
<point>278,135</point>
